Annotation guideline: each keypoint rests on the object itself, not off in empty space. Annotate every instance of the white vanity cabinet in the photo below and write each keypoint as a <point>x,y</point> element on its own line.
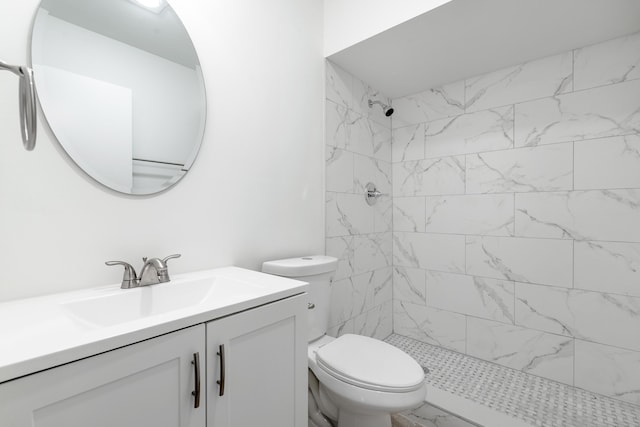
<point>153,383</point>
<point>144,384</point>
<point>264,378</point>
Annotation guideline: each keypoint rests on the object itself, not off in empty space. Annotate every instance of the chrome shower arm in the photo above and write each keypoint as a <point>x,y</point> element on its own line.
<point>27,94</point>
<point>386,109</point>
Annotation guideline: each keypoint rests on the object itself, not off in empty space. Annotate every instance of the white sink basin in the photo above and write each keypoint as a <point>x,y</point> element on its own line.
<point>42,332</point>
<point>133,304</point>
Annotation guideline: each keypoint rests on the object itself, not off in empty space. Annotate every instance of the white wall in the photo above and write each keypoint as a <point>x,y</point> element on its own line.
<point>348,22</point>
<point>255,192</point>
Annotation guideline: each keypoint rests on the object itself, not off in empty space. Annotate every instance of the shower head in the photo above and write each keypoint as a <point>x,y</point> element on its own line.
<point>386,109</point>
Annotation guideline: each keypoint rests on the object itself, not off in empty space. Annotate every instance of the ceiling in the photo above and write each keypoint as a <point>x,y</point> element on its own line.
<point>465,38</point>
<point>128,22</point>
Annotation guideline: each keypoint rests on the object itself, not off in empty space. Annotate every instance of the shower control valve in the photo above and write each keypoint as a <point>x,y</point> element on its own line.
<point>371,194</point>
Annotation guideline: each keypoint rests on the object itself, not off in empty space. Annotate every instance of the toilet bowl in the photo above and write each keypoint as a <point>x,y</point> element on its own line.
<point>361,381</point>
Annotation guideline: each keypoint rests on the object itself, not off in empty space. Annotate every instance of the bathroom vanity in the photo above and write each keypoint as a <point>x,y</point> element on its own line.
<point>224,347</point>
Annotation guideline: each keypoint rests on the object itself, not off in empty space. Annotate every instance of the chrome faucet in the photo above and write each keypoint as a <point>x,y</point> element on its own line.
<point>153,271</point>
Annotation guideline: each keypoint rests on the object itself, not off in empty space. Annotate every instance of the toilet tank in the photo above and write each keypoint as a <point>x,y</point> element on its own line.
<point>318,271</point>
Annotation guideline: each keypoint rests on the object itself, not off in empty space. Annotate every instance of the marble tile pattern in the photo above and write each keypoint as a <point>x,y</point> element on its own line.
<point>524,81</point>
<point>475,132</point>
<point>358,151</point>
<point>409,284</point>
<point>595,113</point>
<point>516,216</point>
<point>490,214</point>
<point>610,215</point>
<point>607,267</point>
<point>608,319</point>
<point>608,63</point>
<point>470,295</point>
<point>437,327</point>
<point>544,261</point>
<point>427,106</point>
<point>543,168</point>
<point>409,214</point>
<point>428,416</point>
<point>528,350</point>
<point>530,398</point>
<point>440,252</point>
<point>429,177</point>
<point>607,163</point>
<point>408,143</point>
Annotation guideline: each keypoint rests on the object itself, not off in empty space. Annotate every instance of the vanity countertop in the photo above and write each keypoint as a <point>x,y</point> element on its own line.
<point>43,332</point>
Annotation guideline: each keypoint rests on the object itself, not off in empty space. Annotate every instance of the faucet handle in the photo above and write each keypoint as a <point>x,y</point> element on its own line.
<point>129,278</point>
<point>163,275</point>
<point>171,257</point>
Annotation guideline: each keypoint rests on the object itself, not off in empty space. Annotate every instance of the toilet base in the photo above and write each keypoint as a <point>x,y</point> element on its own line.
<point>349,419</point>
<point>341,417</point>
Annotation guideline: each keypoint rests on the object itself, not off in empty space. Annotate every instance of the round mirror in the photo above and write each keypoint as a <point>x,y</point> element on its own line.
<point>121,87</point>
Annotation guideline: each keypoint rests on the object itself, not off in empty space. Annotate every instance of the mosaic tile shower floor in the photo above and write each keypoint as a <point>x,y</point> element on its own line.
<point>535,400</point>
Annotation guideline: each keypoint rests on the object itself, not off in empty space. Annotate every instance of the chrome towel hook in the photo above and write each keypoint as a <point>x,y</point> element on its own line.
<point>27,94</point>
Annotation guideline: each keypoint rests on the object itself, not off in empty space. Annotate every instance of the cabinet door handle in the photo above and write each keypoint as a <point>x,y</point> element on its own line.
<point>222,369</point>
<point>196,392</point>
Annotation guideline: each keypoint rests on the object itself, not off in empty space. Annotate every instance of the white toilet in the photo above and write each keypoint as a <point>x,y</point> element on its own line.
<point>362,380</point>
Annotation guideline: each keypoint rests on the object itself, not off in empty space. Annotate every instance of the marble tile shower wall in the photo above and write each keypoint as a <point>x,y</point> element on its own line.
<point>358,151</point>
<point>516,217</point>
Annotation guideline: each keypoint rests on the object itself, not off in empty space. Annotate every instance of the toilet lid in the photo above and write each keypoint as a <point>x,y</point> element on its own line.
<point>370,363</point>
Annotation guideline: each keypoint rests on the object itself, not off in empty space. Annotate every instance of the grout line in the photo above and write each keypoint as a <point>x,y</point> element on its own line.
<point>464,105</point>
<point>504,279</point>
<point>573,266</point>
<point>514,214</point>
<point>513,146</point>
<point>574,362</point>
<point>515,286</point>
<point>494,236</point>
<point>573,70</point>
<point>573,243</point>
<point>524,101</point>
<point>573,166</point>
<point>466,334</point>
<point>496,150</point>
<point>498,193</point>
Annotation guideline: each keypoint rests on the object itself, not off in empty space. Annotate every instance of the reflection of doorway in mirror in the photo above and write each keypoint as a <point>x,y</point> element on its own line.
<point>149,176</point>
<point>101,142</point>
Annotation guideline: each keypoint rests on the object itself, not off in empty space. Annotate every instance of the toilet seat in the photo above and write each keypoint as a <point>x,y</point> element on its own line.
<point>370,364</point>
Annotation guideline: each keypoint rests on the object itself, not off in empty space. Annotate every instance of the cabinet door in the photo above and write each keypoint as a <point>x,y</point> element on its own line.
<point>265,366</point>
<point>144,384</point>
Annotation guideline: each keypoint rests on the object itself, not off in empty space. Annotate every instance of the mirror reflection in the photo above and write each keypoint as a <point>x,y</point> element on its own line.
<point>121,87</point>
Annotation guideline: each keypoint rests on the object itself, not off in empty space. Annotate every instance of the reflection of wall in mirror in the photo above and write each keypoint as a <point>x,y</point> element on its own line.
<point>97,135</point>
<point>161,126</point>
